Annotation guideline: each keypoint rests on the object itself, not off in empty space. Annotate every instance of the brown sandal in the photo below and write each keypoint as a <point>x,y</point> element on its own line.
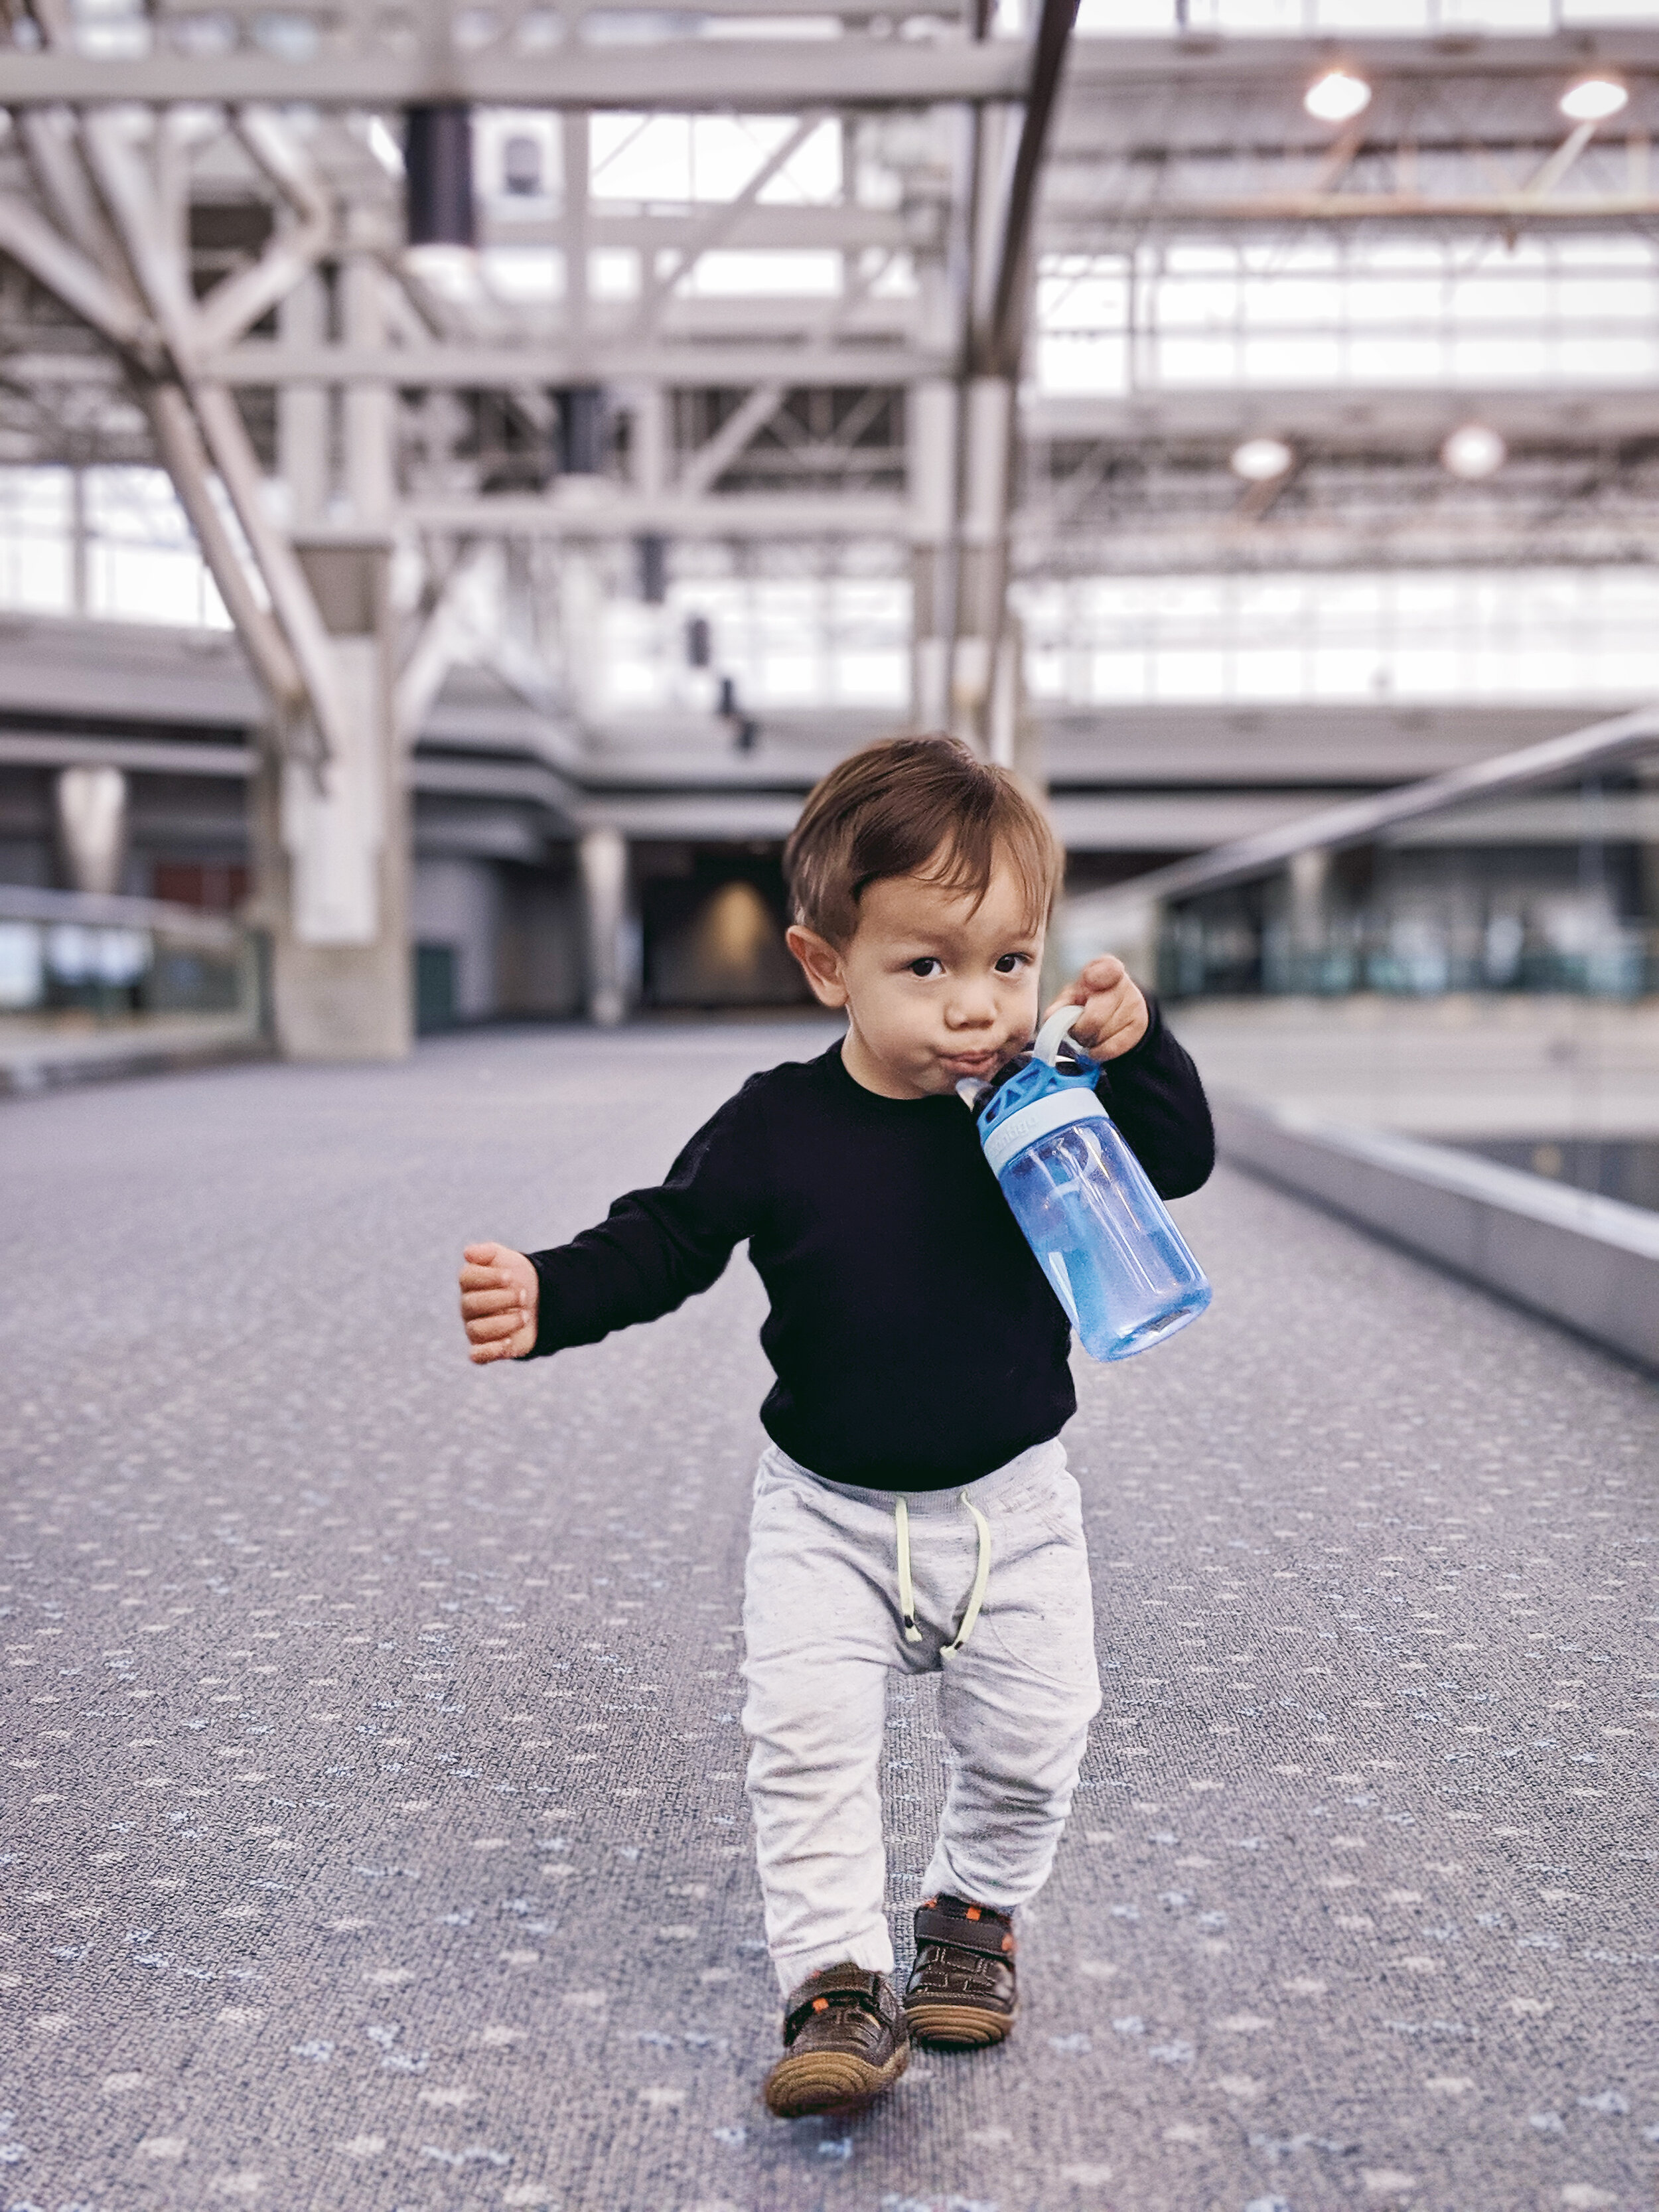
<point>845,2041</point>
<point>961,1994</point>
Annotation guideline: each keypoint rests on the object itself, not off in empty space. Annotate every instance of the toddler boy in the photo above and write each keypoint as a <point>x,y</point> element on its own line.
<point>914,1511</point>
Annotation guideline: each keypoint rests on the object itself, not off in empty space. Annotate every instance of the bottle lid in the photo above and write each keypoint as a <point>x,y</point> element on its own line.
<point>1054,1109</point>
<point>1035,1074</point>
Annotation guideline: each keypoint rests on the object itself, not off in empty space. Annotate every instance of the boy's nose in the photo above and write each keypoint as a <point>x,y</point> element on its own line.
<point>971,1010</point>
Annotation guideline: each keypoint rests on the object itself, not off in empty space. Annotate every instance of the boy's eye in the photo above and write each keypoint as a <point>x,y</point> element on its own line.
<point>1010,963</point>
<point>925,966</point>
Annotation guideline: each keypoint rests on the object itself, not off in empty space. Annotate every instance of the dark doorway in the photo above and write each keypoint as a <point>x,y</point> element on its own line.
<point>435,989</point>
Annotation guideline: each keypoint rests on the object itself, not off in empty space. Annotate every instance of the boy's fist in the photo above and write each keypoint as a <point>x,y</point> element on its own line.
<point>1114,1016</point>
<point>500,1297</point>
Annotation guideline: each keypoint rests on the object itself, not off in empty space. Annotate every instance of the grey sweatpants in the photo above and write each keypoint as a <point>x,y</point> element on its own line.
<point>822,1625</point>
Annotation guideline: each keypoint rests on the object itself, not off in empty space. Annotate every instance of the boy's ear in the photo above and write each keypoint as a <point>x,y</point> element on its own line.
<point>820,963</point>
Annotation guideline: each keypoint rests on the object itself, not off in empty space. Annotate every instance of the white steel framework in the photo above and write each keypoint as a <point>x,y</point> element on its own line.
<point>781,266</point>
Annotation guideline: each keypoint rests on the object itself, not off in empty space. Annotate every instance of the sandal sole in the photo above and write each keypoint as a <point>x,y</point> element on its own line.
<point>828,2082</point>
<point>956,2028</point>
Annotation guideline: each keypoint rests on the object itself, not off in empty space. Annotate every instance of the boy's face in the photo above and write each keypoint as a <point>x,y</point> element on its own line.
<point>935,988</point>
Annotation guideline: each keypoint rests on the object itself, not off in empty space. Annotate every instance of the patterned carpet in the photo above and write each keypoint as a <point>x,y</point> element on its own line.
<point>374,1831</point>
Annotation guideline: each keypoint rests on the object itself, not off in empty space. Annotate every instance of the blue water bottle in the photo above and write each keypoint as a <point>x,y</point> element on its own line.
<point>1117,1262</point>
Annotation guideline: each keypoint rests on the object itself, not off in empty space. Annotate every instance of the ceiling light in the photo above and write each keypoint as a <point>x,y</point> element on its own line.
<point>1472,451</point>
<point>1259,460</point>
<point>1593,99</point>
<point>1337,97</point>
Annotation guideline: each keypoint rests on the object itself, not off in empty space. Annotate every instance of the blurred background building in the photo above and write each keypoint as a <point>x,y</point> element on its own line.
<point>465,471</point>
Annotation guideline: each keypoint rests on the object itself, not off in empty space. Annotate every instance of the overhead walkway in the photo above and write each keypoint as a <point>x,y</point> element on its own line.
<point>375,1827</point>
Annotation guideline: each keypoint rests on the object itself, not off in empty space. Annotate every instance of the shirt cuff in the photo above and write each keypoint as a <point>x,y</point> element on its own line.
<point>547,1339</point>
<point>1143,1044</point>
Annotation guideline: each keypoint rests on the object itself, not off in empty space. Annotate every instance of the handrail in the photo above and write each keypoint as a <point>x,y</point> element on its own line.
<point>96,910</point>
<point>1357,821</point>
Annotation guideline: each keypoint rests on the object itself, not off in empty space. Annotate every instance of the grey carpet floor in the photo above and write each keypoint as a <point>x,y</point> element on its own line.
<point>375,1833</point>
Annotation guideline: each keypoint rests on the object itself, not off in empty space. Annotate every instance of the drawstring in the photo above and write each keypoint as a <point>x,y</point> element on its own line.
<point>975,1595</point>
<point>907,1595</point>
<point>981,1575</point>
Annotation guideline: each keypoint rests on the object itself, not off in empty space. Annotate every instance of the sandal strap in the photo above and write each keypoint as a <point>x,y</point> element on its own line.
<point>835,1985</point>
<point>988,1933</point>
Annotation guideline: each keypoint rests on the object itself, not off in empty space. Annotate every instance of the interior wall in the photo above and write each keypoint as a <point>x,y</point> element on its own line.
<point>458,902</point>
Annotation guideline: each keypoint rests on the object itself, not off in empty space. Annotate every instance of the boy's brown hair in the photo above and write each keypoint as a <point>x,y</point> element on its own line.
<point>894,807</point>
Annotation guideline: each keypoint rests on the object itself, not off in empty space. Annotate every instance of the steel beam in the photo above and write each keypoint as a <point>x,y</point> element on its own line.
<point>179,442</point>
<point>1169,65</point>
<point>744,75</point>
<point>716,224</point>
<point>81,286</point>
<point>704,468</point>
<point>1358,419</point>
<point>237,302</point>
<point>771,226</point>
<point>467,366</point>
<point>1004,336</point>
<point>1286,543</point>
<point>1277,211</point>
<point>603,512</point>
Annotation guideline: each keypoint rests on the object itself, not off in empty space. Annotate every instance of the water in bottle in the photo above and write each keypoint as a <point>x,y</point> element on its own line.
<point>1102,1235</point>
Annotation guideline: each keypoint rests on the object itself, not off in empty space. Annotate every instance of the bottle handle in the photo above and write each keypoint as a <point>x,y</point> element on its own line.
<point>1054,1034</point>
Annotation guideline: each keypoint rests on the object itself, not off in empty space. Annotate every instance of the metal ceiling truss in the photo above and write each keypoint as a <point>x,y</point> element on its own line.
<point>1155,512</point>
<point>216,200</point>
<point>210,211</point>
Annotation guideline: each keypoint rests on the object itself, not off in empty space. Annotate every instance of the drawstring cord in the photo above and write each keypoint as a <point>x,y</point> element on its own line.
<point>907,1595</point>
<point>975,1595</point>
<point>981,1575</point>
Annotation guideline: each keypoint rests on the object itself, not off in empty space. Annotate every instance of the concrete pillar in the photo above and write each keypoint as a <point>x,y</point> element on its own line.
<point>982,580</point>
<point>603,856</point>
<point>931,460</point>
<point>91,827</point>
<point>332,846</point>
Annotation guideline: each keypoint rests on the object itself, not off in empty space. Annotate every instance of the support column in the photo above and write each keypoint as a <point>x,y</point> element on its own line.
<point>603,856</point>
<point>651,441</point>
<point>1310,875</point>
<point>79,581</point>
<point>930,457</point>
<point>332,845</point>
<point>1647,780</point>
<point>369,408</point>
<point>1009,732</point>
<point>982,575</point>
<point>303,442</point>
<point>91,827</point>
<point>575,136</point>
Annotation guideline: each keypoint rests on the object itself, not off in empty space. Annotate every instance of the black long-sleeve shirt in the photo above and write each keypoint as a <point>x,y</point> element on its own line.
<point>915,1341</point>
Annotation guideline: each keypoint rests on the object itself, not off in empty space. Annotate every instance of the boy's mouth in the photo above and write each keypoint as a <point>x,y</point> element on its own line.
<point>973,1063</point>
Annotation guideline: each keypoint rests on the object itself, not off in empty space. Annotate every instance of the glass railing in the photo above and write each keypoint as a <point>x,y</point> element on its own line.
<point>1537,871</point>
<point>1472,961</point>
<point>79,971</point>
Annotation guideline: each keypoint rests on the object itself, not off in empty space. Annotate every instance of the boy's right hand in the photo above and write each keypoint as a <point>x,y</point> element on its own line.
<point>500,1301</point>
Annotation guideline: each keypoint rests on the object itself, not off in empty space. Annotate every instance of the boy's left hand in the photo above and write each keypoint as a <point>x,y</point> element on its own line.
<point>1115,1015</point>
